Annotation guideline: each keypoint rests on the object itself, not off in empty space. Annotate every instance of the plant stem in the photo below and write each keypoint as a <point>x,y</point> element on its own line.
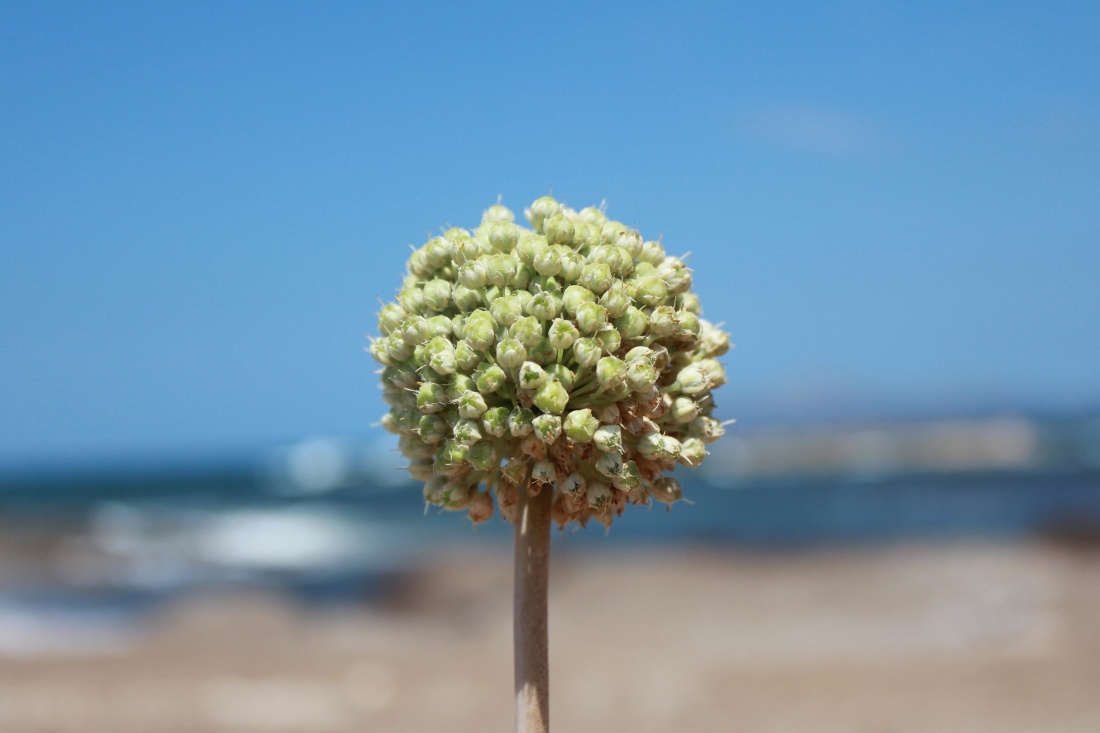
<point>529,619</point>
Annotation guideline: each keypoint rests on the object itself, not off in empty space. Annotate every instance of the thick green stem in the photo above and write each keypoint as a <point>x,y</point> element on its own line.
<point>529,620</point>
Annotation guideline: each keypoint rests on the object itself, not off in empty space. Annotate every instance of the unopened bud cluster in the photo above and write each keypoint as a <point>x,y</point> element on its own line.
<point>570,357</point>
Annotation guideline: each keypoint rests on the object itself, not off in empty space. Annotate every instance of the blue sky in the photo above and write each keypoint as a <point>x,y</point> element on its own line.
<point>201,202</point>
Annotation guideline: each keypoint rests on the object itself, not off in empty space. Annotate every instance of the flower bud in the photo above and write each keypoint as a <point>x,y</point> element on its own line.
<point>683,410</point>
<point>481,507</point>
<point>629,478</point>
<point>616,299</point>
<point>580,425</point>
<point>574,483</point>
<point>543,353</point>
<point>523,276</point>
<point>531,375</point>
<point>471,404</point>
<point>599,494</point>
<point>609,464</point>
<point>596,276</point>
<point>433,490</point>
<point>489,377</point>
<point>500,269</point>
<point>415,329</point>
<point>545,306</point>
<point>474,274</point>
<point>587,352</point>
<point>467,432</point>
<point>656,446</point>
<point>649,290</point>
<point>687,324</point>
<point>440,326</point>
<point>466,357</point>
<point>520,421</point>
<point>575,296</point>
<point>592,215</point>
<point>692,452</point>
<point>688,302</point>
<point>706,429</point>
<point>530,247</point>
<point>546,428</point>
<point>572,264</point>
<point>558,229</point>
<point>456,496</point>
<point>611,372</point>
<point>510,353</point>
<point>715,341</point>
<point>437,294</point>
<point>441,355</point>
<point>641,376</point>
<point>460,385</point>
<point>494,421</point>
<point>479,329</point>
<point>652,252</point>
<point>411,299</point>
<point>609,438</point>
<point>632,323</point>
<point>431,397</point>
<point>451,458</point>
<point>397,348</point>
<point>551,397</point>
<point>610,340</point>
<point>547,261</point>
<point>562,334</point>
<point>690,380</point>
<point>497,212</point>
<point>675,274</point>
<point>390,317</point>
<point>514,469</point>
<point>662,321</point>
<point>464,248</point>
<point>591,317</point>
<point>526,330</point>
<point>503,236</point>
<point>540,210</point>
<point>561,373</point>
<point>544,472</point>
<point>506,310</point>
<point>482,456</point>
<point>667,490</point>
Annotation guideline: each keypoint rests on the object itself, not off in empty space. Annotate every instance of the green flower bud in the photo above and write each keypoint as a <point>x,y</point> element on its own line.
<point>471,405</point>
<point>545,306</point>
<point>675,274</point>
<point>561,373</point>
<point>480,329</point>
<point>706,429</point>
<point>441,355</point>
<point>632,324</point>
<point>431,397</point>
<point>503,236</point>
<point>460,385</point>
<point>547,261</point>
<point>641,376</point>
<point>464,248</point>
<point>591,317</point>
<point>482,456</point>
<point>432,429</point>
<point>456,496</point>
<point>587,352</point>
<point>451,458</point>
<point>687,324</point>
<point>390,318</point>
<point>543,353</point>
<point>649,290</point>
<point>551,397</point>
<point>683,410</point>
<point>506,310</point>
<point>497,212</point>
<point>596,276</point>
<point>466,357</point>
<point>467,431</point>
<point>440,326</point>
<point>629,478</point>
<point>652,252</point>
<point>656,446</point>
<point>611,372</point>
<point>415,329</point>
<point>592,215</point>
<point>662,321</point>
<point>389,423</point>
<point>540,210</point>
<point>616,299</point>
<point>667,490</point>
<point>610,340</point>
<point>397,348</point>
<point>523,276</point>
<point>715,341</point>
<point>500,269</point>
<point>419,266</point>
<point>690,381</point>
<point>562,334</point>
<point>437,295</point>
<point>411,446</point>
<point>558,229</point>
<point>421,470</point>
<point>692,452</point>
<point>474,274</point>
<point>609,438</point>
<point>520,421</point>
<point>575,296</point>
<point>495,421</point>
<point>433,490</point>
<point>572,265</point>
<point>526,330</point>
<point>580,425</point>
<point>489,377</point>
<point>688,302</point>
<point>546,428</point>
<point>510,353</point>
<point>531,246</point>
<point>531,375</point>
<point>585,236</point>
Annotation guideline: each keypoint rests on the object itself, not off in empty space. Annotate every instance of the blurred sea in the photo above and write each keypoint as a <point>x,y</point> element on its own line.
<point>83,554</point>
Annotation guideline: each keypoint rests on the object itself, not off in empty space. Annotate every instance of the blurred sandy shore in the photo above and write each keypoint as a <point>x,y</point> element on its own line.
<point>944,639</point>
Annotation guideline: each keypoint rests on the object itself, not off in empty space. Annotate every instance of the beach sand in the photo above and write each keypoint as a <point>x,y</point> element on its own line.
<point>962,638</point>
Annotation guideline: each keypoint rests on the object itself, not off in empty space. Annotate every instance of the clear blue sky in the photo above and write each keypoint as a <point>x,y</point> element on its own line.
<point>200,202</point>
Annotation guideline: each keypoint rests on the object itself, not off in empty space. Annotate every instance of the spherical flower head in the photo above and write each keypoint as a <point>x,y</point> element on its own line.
<point>572,354</point>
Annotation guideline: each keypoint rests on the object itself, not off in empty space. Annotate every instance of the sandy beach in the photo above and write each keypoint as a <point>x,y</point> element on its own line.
<point>961,638</point>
